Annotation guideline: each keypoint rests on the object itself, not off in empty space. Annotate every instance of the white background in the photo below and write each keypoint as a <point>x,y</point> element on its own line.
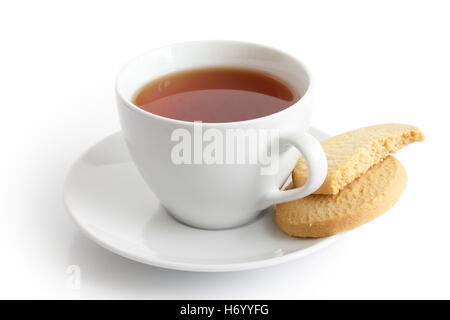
<point>373,62</point>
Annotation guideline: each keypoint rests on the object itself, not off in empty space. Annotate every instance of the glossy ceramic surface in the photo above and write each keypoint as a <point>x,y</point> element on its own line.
<point>110,202</point>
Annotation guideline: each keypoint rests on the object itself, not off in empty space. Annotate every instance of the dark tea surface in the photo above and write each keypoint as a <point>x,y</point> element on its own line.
<point>215,95</point>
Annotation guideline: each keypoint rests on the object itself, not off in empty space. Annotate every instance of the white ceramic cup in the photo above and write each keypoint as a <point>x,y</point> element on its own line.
<point>218,196</point>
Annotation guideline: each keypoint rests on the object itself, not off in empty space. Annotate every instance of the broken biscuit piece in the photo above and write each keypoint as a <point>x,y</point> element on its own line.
<point>352,153</point>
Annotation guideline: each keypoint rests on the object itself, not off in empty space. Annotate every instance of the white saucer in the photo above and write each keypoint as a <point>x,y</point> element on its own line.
<point>113,206</point>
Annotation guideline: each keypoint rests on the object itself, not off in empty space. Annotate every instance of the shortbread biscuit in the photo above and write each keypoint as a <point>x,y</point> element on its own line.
<point>353,153</point>
<point>364,199</point>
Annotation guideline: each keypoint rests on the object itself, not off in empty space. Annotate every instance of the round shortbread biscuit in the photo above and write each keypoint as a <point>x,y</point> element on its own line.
<point>364,199</point>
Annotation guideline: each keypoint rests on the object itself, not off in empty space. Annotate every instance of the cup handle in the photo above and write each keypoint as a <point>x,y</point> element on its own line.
<point>316,161</point>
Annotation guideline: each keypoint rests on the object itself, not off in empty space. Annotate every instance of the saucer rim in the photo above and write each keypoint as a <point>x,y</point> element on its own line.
<point>186,266</point>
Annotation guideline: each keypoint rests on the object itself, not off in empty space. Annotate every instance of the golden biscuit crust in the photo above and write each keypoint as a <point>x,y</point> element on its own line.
<point>352,153</point>
<point>362,200</point>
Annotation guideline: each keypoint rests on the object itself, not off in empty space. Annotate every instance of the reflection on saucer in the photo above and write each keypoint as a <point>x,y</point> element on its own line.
<point>114,207</point>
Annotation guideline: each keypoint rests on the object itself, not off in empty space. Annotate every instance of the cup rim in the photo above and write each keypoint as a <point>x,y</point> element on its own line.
<point>148,114</point>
